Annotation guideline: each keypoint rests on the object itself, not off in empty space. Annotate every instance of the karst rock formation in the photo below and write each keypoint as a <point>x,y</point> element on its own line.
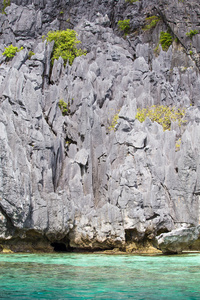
<point>96,178</point>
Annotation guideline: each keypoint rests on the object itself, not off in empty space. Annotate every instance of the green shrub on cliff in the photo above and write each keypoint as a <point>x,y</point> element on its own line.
<point>10,51</point>
<point>65,42</point>
<point>30,54</point>
<point>162,114</point>
<point>114,121</point>
<point>131,1</point>
<point>178,145</point>
<point>151,22</point>
<point>6,3</point>
<point>124,25</point>
<point>191,33</point>
<point>64,107</point>
<point>165,40</point>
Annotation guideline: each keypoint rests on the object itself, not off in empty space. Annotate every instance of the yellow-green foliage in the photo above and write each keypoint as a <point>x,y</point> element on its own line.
<point>6,3</point>
<point>131,1</point>
<point>124,25</point>
<point>165,40</point>
<point>178,145</point>
<point>191,33</point>
<point>64,107</point>
<point>161,114</point>
<point>10,51</point>
<point>151,22</point>
<point>114,122</point>
<point>65,42</point>
<point>30,54</point>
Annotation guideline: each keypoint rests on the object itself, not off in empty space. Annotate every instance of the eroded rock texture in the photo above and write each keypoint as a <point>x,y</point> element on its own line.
<point>82,179</point>
<point>179,240</point>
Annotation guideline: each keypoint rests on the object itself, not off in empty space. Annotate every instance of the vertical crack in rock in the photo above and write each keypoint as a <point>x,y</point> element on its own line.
<point>6,226</point>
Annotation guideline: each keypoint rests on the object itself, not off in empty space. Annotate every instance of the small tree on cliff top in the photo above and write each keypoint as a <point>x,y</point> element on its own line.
<point>65,42</point>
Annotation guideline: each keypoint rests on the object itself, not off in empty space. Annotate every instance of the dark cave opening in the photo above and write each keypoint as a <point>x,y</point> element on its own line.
<point>59,247</point>
<point>132,235</point>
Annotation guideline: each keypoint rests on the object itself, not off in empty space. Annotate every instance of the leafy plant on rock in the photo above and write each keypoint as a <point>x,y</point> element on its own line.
<point>124,25</point>
<point>191,33</point>
<point>6,3</point>
<point>30,54</point>
<point>114,121</point>
<point>10,51</point>
<point>131,1</point>
<point>65,45</point>
<point>151,22</point>
<point>178,145</point>
<point>64,107</point>
<point>165,40</point>
<point>163,115</point>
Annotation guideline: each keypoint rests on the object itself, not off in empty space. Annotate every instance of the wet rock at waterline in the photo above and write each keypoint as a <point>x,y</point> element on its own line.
<point>179,240</point>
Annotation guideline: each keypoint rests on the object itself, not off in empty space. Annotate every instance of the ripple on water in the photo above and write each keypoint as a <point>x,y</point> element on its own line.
<point>98,276</point>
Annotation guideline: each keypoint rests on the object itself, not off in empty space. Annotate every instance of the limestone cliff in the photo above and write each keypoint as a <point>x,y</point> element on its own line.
<point>74,179</point>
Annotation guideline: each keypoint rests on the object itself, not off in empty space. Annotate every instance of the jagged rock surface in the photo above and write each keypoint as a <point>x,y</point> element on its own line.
<point>178,240</point>
<point>81,179</point>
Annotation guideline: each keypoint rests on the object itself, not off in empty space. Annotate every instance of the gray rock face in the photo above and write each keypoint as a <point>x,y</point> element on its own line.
<point>178,240</point>
<point>97,177</point>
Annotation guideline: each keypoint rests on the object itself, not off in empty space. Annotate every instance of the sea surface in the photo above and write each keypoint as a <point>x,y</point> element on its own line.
<point>99,276</point>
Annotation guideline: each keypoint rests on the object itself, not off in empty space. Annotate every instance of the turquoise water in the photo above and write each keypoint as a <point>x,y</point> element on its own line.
<point>99,276</point>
